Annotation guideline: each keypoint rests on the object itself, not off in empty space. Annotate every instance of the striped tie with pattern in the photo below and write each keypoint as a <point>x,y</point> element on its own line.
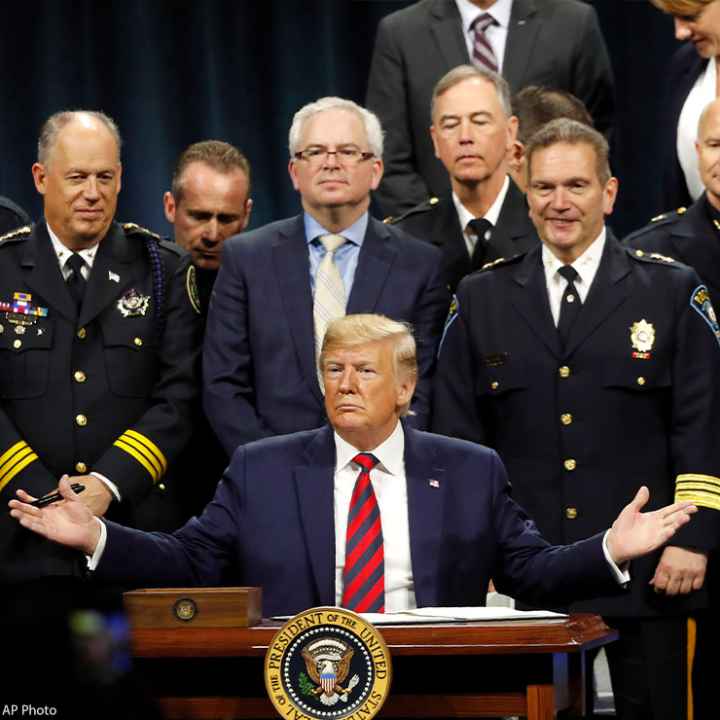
<point>364,572</point>
<point>329,302</point>
<point>483,55</point>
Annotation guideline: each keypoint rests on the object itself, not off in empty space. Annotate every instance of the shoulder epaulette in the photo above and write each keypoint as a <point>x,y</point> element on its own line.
<point>16,234</point>
<point>668,215</point>
<point>135,229</point>
<point>653,257</point>
<point>502,261</point>
<point>172,247</point>
<point>429,204</point>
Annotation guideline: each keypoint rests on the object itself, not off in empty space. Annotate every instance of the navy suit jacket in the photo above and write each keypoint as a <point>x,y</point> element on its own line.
<point>272,518</point>
<point>259,370</point>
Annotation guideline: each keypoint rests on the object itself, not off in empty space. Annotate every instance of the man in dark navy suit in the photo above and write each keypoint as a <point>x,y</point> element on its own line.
<point>366,513</point>
<point>280,285</point>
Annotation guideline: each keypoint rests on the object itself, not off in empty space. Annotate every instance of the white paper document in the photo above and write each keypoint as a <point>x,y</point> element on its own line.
<point>458,614</point>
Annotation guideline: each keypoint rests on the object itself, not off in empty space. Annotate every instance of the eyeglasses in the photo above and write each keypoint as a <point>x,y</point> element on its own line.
<point>345,154</point>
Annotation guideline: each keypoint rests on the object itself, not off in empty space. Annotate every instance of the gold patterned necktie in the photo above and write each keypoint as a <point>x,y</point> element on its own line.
<point>329,302</point>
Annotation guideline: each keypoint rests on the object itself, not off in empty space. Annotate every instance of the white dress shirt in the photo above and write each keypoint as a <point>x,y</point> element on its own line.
<point>390,486</point>
<point>586,266</point>
<point>496,34</point>
<point>703,92</point>
<point>63,254</point>
<point>492,215</point>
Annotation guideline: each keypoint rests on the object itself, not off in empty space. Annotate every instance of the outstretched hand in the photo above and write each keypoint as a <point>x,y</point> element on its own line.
<point>635,533</point>
<point>68,522</point>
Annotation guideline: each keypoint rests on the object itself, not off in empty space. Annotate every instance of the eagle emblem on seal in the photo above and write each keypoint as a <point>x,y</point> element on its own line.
<point>327,661</point>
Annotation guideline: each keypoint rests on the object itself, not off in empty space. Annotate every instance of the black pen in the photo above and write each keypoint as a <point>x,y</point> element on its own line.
<point>53,497</point>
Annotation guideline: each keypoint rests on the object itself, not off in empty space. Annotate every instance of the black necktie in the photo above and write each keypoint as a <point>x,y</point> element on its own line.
<point>482,229</point>
<point>76,282</point>
<point>570,304</point>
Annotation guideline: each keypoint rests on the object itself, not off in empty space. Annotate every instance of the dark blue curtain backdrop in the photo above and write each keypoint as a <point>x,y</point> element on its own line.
<point>172,73</point>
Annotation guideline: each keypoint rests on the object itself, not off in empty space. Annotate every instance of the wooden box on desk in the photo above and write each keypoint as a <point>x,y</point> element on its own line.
<point>229,607</point>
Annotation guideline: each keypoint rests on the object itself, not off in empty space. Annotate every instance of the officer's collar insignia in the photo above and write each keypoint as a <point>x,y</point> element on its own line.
<point>642,338</point>
<point>21,311</point>
<point>700,303</point>
<point>327,664</point>
<point>191,288</point>
<point>133,304</point>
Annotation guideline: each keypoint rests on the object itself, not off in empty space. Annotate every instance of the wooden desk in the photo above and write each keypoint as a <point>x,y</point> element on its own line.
<point>532,668</point>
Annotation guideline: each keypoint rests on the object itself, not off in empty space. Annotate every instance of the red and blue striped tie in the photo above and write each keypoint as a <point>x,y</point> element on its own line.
<point>364,572</point>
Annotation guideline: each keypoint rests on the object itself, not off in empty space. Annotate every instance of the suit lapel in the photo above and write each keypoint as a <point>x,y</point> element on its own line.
<point>609,289</point>
<point>446,26</point>
<point>522,33</point>
<point>448,236</point>
<point>529,296</point>
<point>377,255</point>
<point>41,272</point>
<point>314,484</point>
<point>426,493</point>
<point>292,270</point>
<point>114,259</point>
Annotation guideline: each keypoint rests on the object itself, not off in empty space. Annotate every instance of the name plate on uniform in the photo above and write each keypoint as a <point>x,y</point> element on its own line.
<point>194,607</point>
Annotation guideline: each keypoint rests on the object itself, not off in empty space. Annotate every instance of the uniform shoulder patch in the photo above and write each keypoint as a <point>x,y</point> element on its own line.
<point>135,229</point>
<point>502,261</point>
<point>668,215</point>
<point>700,303</point>
<point>426,206</point>
<point>192,289</point>
<point>651,257</point>
<point>17,234</point>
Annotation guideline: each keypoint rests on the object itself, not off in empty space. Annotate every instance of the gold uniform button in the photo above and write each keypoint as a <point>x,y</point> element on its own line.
<point>571,513</point>
<point>641,380</point>
<point>138,341</point>
<point>566,419</point>
<point>79,376</point>
<point>161,487</point>
<point>570,464</point>
<point>639,253</point>
<point>564,371</point>
<point>495,385</point>
<point>81,467</point>
<point>82,333</point>
<point>81,420</point>
<point>17,344</point>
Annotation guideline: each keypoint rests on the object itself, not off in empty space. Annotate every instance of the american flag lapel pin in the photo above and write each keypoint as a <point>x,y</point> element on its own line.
<point>432,482</point>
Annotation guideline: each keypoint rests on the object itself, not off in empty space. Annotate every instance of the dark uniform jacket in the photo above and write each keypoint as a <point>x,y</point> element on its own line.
<point>691,236</point>
<point>632,400</point>
<point>108,390</point>
<point>436,221</point>
<point>12,216</point>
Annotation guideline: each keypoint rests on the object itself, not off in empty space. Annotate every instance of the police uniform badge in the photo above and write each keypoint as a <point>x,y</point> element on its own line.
<point>191,288</point>
<point>328,663</point>
<point>700,303</point>
<point>642,339</point>
<point>133,304</point>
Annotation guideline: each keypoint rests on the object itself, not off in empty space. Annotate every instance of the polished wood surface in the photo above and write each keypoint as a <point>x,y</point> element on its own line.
<point>532,668</point>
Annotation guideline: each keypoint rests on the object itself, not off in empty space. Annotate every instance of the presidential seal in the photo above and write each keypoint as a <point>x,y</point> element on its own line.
<point>328,663</point>
<point>185,609</point>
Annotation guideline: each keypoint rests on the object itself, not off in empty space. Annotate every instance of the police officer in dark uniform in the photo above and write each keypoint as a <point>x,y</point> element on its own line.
<point>12,216</point>
<point>591,369</point>
<point>100,344</point>
<point>485,216</point>
<point>692,235</point>
<point>209,202</point>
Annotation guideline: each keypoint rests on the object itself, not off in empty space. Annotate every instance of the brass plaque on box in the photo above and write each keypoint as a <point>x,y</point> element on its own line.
<point>194,607</point>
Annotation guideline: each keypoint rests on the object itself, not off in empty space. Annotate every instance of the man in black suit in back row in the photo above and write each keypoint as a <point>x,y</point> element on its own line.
<point>555,43</point>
